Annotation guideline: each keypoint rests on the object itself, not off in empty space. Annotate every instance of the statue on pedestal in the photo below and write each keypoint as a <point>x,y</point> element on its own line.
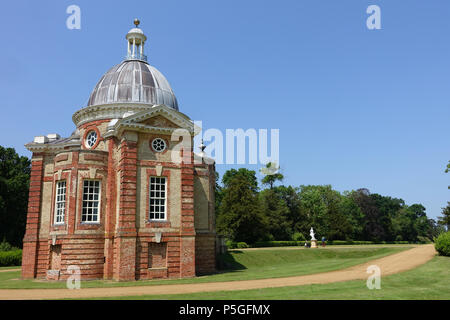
<point>311,233</point>
<point>313,239</point>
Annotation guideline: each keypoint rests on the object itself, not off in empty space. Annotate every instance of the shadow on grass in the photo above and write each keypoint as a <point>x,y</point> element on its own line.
<point>227,263</point>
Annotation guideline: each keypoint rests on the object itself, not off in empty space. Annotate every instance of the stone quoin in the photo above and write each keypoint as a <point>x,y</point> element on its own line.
<point>109,198</point>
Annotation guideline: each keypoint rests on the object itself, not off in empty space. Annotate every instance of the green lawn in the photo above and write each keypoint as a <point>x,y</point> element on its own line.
<point>244,265</point>
<point>430,281</point>
<point>7,268</point>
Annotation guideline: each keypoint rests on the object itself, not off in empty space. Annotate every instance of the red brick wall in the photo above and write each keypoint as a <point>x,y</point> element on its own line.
<point>125,241</point>
<point>30,241</point>
<point>157,255</point>
<point>172,241</point>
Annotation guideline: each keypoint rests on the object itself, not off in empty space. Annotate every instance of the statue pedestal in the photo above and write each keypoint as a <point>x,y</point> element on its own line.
<point>314,244</point>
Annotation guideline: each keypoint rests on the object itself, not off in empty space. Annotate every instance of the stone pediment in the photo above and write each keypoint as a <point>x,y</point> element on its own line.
<point>159,121</point>
<point>159,116</point>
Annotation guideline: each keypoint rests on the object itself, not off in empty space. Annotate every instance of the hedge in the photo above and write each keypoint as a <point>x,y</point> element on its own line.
<point>10,258</point>
<point>262,244</point>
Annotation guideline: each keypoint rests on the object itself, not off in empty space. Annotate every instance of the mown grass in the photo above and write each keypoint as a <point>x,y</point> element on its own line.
<point>242,265</point>
<point>11,267</point>
<point>430,281</point>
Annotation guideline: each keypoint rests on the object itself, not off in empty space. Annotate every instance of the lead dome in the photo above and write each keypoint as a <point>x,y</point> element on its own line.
<point>134,80</point>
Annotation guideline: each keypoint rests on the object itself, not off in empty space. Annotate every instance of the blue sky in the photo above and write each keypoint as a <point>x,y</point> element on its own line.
<point>355,107</point>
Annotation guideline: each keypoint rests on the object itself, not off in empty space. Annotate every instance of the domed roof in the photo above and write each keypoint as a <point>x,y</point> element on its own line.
<point>133,81</point>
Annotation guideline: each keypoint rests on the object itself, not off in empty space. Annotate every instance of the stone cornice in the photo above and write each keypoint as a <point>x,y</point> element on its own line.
<point>113,111</point>
<point>45,147</point>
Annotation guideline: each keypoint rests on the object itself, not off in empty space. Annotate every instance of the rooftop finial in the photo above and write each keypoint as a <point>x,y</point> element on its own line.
<point>136,22</point>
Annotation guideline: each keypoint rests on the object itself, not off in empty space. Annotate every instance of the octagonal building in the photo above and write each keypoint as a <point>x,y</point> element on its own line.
<point>122,198</point>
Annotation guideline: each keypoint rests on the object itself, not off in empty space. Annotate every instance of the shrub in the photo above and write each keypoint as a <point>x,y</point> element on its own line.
<point>242,245</point>
<point>5,246</point>
<point>231,244</point>
<point>442,244</point>
<point>339,242</point>
<point>298,237</point>
<point>11,258</point>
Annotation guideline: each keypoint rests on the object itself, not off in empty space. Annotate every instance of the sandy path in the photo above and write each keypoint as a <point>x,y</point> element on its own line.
<point>394,263</point>
<point>10,270</point>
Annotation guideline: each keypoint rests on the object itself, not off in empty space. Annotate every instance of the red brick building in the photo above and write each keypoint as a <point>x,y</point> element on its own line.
<point>120,198</point>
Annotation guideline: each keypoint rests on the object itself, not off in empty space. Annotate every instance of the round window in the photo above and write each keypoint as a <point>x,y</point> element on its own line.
<point>91,139</point>
<point>159,145</point>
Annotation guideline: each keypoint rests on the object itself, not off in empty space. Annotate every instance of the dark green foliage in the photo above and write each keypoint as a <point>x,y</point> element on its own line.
<point>298,237</point>
<point>5,246</point>
<point>240,216</point>
<point>14,182</point>
<point>10,258</point>
<point>262,244</point>
<point>242,245</point>
<point>284,213</point>
<point>277,215</point>
<point>442,244</point>
<point>445,219</point>
<point>266,244</point>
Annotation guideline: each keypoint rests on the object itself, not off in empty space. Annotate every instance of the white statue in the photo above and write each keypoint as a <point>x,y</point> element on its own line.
<point>311,233</point>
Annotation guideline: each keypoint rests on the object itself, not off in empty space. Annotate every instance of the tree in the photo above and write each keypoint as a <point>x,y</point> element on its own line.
<point>445,219</point>
<point>240,217</point>
<point>277,214</point>
<point>296,216</point>
<point>271,174</point>
<point>354,214</point>
<point>447,170</point>
<point>246,174</point>
<point>372,229</point>
<point>14,186</point>
<point>218,195</point>
<point>322,206</point>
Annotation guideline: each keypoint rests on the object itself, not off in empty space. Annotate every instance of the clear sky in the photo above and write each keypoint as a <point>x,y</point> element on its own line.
<point>355,107</point>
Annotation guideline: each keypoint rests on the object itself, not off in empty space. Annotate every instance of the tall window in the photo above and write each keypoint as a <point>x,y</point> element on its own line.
<point>91,201</point>
<point>60,202</point>
<point>158,197</point>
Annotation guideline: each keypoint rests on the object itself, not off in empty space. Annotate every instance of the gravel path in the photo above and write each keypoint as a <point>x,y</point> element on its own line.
<point>391,264</point>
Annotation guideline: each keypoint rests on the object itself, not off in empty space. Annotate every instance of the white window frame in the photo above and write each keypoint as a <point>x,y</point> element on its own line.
<point>150,198</point>
<point>99,202</point>
<point>58,213</point>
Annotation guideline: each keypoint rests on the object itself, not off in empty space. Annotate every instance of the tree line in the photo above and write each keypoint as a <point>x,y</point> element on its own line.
<point>247,213</point>
<point>14,185</point>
